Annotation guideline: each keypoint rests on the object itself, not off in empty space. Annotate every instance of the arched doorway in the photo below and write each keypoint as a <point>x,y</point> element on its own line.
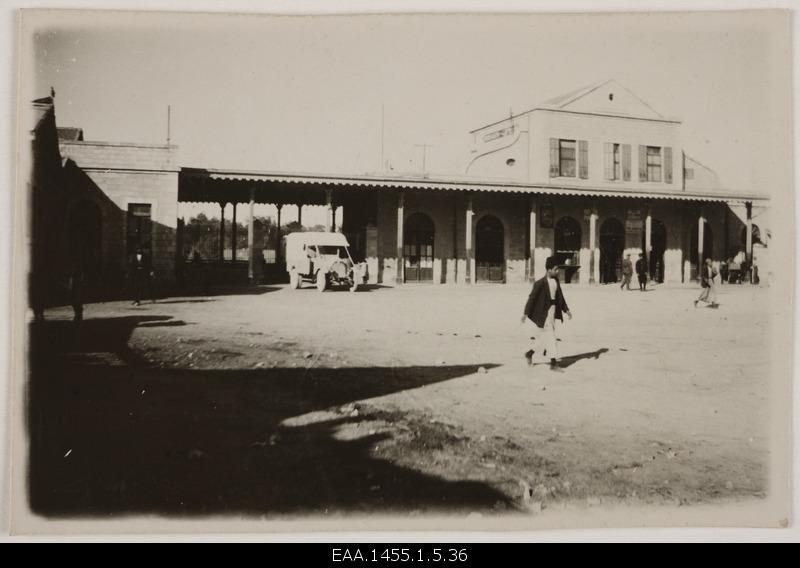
<point>568,246</point>
<point>658,245</point>
<point>612,244</point>
<point>418,233</point>
<point>489,250</point>
<point>708,246</point>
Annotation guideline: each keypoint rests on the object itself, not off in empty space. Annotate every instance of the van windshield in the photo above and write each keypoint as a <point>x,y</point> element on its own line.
<point>339,251</point>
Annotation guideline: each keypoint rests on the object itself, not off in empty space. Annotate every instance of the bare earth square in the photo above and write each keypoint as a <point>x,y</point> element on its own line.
<point>408,400</point>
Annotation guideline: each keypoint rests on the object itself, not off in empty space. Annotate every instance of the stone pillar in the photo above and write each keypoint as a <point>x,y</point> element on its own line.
<point>300,214</point>
<point>221,232</point>
<point>532,239</point>
<point>592,246</point>
<point>329,217</point>
<point>468,242</point>
<point>233,234</point>
<point>648,236</point>
<point>250,252</point>
<point>749,242</point>
<point>400,220</point>
<point>700,234</point>
<point>278,236</point>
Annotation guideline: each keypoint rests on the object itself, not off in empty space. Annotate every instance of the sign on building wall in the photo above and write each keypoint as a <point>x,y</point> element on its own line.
<point>546,216</point>
<point>634,222</point>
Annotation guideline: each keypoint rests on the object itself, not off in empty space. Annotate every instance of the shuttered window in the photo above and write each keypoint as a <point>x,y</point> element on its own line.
<point>583,159</point>
<point>642,163</point>
<point>667,164</point>
<point>626,162</point>
<point>608,160</point>
<point>554,169</point>
<point>653,163</point>
<point>566,158</point>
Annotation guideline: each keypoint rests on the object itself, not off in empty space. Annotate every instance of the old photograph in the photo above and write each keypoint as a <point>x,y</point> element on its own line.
<point>402,272</point>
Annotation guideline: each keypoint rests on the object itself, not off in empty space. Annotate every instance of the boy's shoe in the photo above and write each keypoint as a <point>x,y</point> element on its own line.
<point>554,366</point>
<point>529,357</point>
<point>695,303</point>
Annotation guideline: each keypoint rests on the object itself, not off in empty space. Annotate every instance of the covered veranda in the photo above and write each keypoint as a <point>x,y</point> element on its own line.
<point>355,201</point>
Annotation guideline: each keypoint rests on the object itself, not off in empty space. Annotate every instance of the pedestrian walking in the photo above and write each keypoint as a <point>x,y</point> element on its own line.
<point>641,272</point>
<point>544,306</point>
<point>627,272</point>
<point>708,276</point>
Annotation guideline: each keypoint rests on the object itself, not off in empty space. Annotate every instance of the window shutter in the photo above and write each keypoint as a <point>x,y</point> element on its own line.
<point>668,164</point>
<point>626,162</point>
<point>583,159</point>
<point>608,160</point>
<point>554,169</point>
<point>642,163</point>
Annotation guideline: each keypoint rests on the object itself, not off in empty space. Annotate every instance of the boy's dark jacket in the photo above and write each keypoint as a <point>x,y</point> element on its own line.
<point>539,302</point>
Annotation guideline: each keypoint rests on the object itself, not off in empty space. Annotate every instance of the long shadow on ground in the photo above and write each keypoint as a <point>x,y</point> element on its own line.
<point>111,436</point>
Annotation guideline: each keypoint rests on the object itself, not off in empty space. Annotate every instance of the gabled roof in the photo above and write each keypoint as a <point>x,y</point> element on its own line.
<point>607,98</point>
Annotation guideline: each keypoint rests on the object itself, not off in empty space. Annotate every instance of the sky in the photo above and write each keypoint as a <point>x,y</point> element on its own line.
<point>360,95</point>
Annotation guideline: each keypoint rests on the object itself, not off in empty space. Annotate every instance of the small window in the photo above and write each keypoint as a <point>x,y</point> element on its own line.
<point>511,162</point>
<point>611,96</point>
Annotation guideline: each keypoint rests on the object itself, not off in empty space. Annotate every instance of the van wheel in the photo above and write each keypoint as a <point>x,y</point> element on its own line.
<point>294,280</point>
<point>322,281</point>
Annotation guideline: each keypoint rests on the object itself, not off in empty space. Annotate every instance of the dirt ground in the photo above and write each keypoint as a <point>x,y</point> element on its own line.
<point>405,401</point>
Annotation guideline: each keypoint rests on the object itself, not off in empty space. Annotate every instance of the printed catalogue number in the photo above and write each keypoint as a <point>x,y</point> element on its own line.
<point>399,555</point>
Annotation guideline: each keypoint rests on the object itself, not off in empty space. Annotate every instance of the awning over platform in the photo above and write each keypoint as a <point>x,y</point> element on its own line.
<point>216,186</point>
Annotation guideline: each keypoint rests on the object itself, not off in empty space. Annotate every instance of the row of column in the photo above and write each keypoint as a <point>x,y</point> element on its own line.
<point>593,248</point>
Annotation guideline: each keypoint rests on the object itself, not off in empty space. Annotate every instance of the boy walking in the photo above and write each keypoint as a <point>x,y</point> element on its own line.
<point>545,305</point>
<point>708,278</point>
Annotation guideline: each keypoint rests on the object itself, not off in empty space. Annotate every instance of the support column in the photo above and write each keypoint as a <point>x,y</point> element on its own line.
<point>455,238</point>
<point>278,248</point>
<point>300,214</point>
<point>329,215</point>
<point>532,239</point>
<point>468,241</point>
<point>700,234</point>
<point>233,234</point>
<point>222,232</point>
<point>400,220</point>
<point>250,252</point>
<point>748,248</point>
<point>648,237</point>
<point>592,245</point>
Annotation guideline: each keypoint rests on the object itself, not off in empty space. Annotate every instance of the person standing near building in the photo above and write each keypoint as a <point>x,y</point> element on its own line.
<point>641,272</point>
<point>544,306</point>
<point>627,272</point>
<point>141,277</point>
<point>708,277</point>
<point>76,285</point>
